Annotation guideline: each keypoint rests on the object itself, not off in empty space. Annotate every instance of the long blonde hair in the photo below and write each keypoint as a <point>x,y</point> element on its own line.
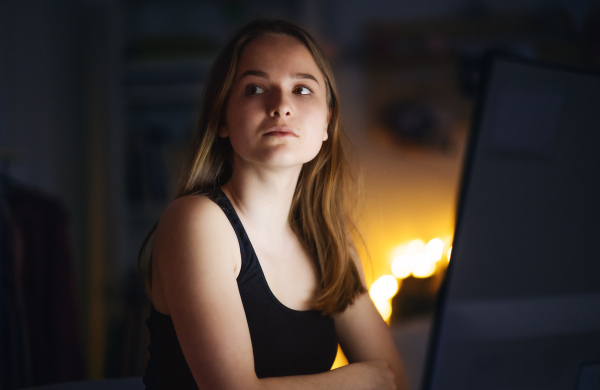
<point>326,190</point>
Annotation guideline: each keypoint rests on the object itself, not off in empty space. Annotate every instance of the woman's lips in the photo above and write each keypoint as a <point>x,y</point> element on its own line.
<point>280,131</point>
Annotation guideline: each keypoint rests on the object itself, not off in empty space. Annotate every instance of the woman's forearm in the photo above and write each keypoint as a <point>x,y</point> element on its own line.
<point>358,376</point>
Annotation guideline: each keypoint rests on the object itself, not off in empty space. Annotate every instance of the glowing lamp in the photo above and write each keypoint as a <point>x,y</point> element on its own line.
<point>435,249</point>
<point>415,247</point>
<point>384,308</point>
<point>384,288</point>
<point>423,267</point>
<point>402,266</point>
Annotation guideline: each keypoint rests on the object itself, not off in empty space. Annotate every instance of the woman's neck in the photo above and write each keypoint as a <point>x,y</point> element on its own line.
<point>263,198</point>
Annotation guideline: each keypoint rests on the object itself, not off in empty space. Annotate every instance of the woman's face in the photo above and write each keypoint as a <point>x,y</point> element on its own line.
<point>277,111</point>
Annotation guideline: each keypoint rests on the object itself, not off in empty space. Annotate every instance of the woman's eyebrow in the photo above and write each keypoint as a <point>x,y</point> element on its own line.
<point>259,73</point>
<point>256,73</point>
<point>308,76</point>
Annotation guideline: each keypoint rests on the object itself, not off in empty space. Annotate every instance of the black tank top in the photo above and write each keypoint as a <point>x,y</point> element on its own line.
<point>284,341</point>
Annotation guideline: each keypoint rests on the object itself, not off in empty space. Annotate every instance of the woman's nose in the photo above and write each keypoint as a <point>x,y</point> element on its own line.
<point>279,105</point>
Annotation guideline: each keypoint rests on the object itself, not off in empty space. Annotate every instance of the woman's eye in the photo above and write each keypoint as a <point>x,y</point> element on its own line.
<point>254,90</point>
<point>302,90</point>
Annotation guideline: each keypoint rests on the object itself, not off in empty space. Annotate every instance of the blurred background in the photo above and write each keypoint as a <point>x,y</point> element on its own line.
<point>98,99</point>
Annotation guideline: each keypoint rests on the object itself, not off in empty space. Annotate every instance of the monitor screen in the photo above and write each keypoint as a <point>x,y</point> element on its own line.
<point>520,304</point>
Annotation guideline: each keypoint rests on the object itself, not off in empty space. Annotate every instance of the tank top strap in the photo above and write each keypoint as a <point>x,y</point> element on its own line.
<point>246,250</point>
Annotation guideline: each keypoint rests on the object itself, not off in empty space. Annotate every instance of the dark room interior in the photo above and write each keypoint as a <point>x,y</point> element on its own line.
<point>98,100</point>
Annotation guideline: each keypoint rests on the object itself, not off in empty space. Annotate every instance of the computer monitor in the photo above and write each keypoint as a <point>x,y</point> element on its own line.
<point>520,305</point>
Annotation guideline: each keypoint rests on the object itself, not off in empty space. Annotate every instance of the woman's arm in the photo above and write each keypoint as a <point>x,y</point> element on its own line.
<point>194,281</point>
<point>364,336</point>
<point>195,256</point>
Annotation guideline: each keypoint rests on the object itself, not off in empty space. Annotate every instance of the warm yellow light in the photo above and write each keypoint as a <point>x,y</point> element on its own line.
<point>415,247</point>
<point>418,258</point>
<point>384,288</point>
<point>340,359</point>
<point>384,308</point>
<point>402,266</point>
<point>423,267</point>
<point>449,253</point>
<point>435,249</point>
<point>398,251</point>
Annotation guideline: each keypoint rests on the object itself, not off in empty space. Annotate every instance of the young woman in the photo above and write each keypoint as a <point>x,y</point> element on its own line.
<point>253,275</point>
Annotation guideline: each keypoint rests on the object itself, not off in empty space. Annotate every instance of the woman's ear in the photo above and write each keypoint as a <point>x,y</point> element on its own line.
<point>326,135</point>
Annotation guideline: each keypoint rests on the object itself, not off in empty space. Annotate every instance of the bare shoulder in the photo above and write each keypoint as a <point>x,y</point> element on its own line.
<point>194,209</point>
<point>190,220</point>
<point>193,238</point>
